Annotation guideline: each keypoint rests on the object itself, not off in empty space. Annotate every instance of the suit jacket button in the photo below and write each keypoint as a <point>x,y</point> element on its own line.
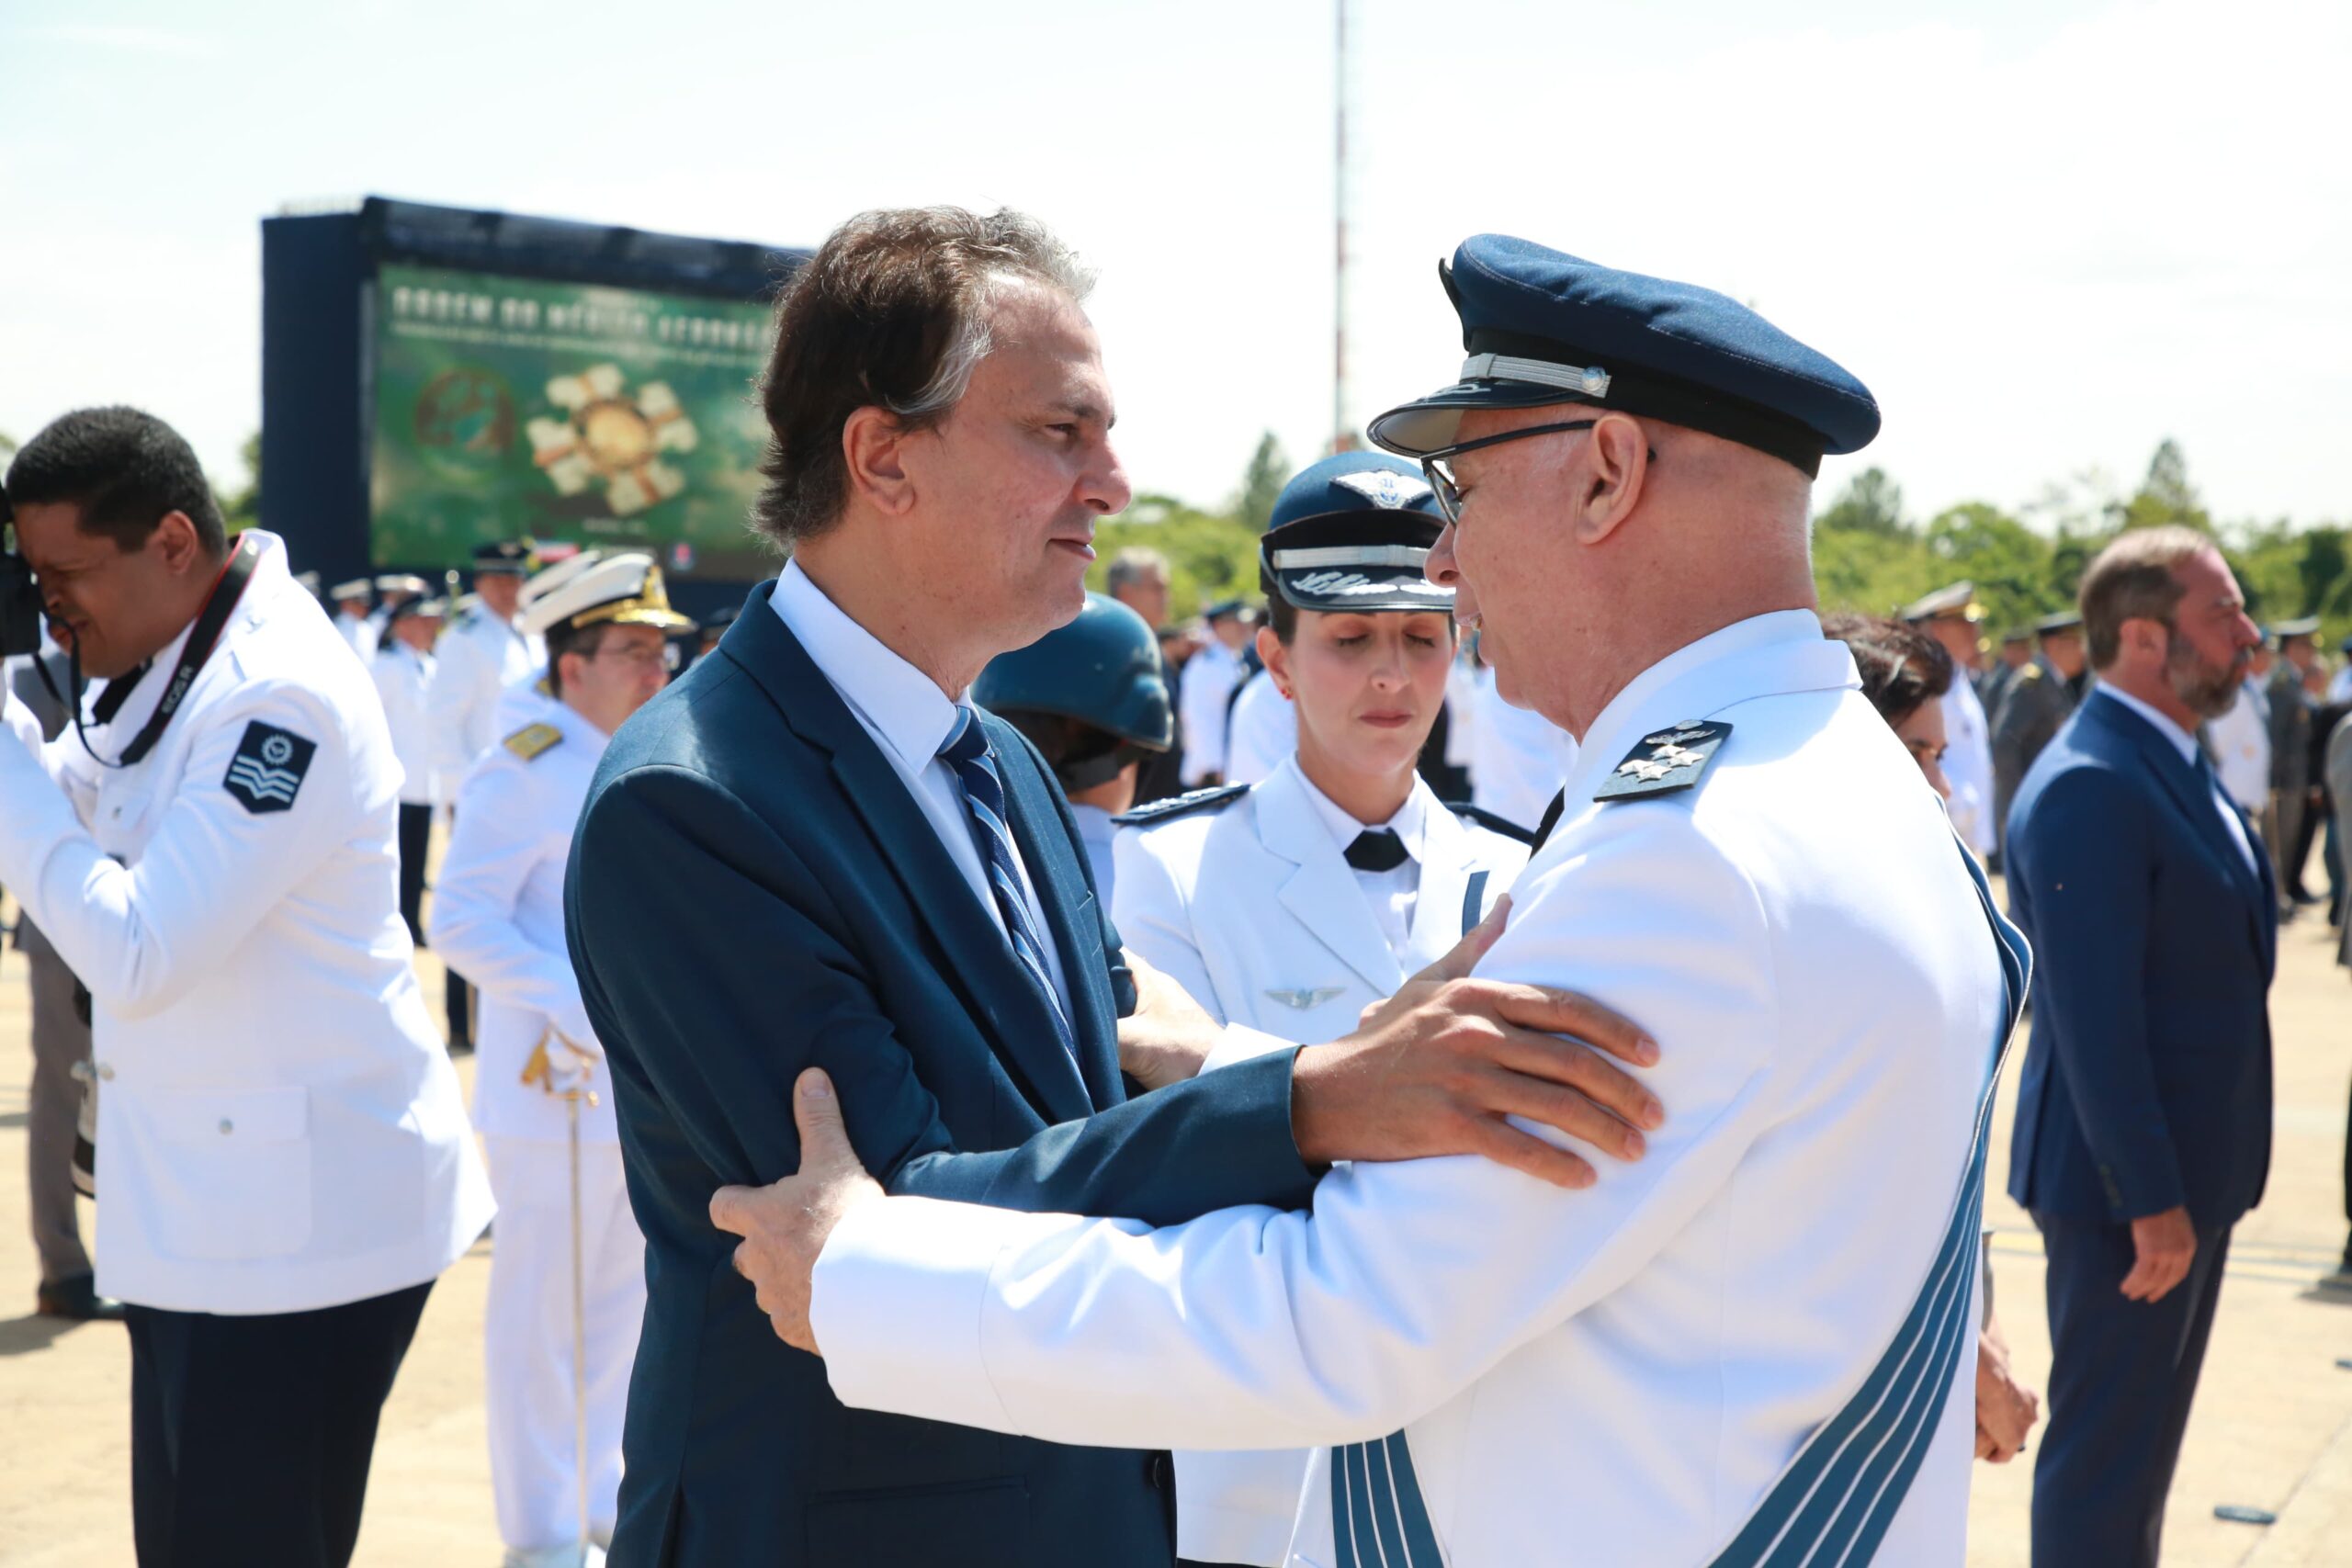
<point>227,1127</point>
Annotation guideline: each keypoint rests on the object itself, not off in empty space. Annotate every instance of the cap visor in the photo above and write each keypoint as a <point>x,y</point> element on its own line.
<point>1341,591</point>
<point>1427,424</point>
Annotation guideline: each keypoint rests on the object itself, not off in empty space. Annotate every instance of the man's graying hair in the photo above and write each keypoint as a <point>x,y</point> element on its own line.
<point>2133,579</point>
<point>1132,564</point>
<point>895,311</point>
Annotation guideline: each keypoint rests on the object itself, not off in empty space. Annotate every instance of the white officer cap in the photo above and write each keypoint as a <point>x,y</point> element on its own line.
<point>355,589</point>
<point>555,576</point>
<point>624,590</point>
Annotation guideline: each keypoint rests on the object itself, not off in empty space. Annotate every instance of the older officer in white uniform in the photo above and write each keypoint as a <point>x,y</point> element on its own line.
<point>1292,906</point>
<point>283,1155</point>
<point>498,914</point>
<point>1743,1349</point>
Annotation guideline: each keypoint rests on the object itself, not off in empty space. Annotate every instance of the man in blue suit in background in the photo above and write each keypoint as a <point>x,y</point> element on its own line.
<point>810,851</point>
<point>2143,1117</point>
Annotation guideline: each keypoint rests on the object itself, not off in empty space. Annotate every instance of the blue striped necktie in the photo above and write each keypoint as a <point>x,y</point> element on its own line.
<point>969,754</point>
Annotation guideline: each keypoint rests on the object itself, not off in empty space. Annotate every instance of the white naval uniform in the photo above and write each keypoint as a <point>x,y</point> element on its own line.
<point>280,1127</point>
<point>1251,907</point>
<point>1095,835</point>
<point>1205,699</point>
<point>361,633</point>
<point>1968,764</point>
<point>498,916</point>
<point>404,681</point>
<point>2241,748</point>
<point>520,701</point>
<point>478,657</point>
<point>1627,1367</point>
<point>1517,757</point>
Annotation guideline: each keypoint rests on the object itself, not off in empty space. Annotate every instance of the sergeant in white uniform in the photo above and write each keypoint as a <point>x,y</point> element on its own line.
<point>1292,906</point>
<point>1951,615</point>
<point>1092,698</point>
<point>285,1162</point>
<point>1742,1349</point>
<point>1205,693</point>
<point>498,914</point>
<point>403,672</point>
<point>351,619</point>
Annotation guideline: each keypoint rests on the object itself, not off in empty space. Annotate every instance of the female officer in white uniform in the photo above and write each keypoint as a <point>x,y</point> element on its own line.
<point>1292,903</point>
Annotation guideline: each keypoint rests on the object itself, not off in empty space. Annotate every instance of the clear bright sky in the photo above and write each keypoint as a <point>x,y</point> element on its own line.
<point>2048,234</point>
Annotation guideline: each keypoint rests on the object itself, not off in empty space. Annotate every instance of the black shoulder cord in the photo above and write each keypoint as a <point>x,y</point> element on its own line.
<point>202,637</point>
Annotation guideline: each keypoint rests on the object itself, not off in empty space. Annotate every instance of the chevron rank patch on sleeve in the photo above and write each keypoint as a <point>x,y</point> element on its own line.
<point>1666,762</point>
<point>532,739</point>
<point>268,770</point>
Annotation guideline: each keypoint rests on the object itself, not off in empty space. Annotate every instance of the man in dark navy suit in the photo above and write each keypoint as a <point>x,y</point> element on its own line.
<point>812,853</point>
<point>2143,1119</point>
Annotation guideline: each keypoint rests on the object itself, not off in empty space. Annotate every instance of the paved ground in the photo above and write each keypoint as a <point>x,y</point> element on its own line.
<point>2273,1426</point>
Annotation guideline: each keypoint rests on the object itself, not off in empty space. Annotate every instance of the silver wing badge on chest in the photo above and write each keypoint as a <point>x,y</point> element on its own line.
<point>1308,997</point>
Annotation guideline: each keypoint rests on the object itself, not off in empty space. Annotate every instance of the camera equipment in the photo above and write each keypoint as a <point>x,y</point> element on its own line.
<point>19,599</point>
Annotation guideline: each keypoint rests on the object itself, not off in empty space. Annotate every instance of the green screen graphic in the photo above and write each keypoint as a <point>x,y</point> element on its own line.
<point>506,406</point>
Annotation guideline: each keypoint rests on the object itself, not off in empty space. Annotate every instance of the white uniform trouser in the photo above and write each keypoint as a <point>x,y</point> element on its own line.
<point>527,1336</point>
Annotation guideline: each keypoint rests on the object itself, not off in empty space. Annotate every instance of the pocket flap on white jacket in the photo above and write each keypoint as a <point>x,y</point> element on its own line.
<point>247,1115</point>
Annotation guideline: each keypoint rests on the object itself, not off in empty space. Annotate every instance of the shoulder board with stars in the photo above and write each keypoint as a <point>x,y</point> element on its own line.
<point>1176,805</point>
<point>1666,762</point>
<point>533,739</point>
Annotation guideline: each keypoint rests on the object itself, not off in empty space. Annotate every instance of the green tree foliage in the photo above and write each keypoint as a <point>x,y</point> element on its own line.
<point>1261,483</point>
<point>241,508</point>
<point>1211,555</point>
<point>1870,503</point>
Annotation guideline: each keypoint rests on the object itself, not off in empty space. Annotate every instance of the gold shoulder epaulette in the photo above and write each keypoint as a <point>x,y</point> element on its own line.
<point>545,687</point>
<point>532,739</point>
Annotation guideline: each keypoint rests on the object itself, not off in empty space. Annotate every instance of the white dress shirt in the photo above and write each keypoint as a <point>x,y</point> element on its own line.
<point>1391,894</point>
<point>910,718</point>
<point>1628,1367</point>
<point>2185,744</point>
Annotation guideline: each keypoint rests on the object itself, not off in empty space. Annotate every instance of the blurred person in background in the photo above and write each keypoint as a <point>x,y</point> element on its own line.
<point>1140,578</point>
<point>352,619</point>
<point>2017,652</point>
<point>2037,699</point>
<point>2291,756</point>
<point>1952,617</point>
<point>2144,1112</point>
<point>1211,679</point>
<point>403,668</point>
<point>2240,738</point>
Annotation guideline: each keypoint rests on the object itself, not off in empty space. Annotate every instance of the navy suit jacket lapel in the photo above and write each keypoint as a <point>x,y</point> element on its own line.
<point>2196,797</point>
<point>1072,914</point>
<point>980,966</point>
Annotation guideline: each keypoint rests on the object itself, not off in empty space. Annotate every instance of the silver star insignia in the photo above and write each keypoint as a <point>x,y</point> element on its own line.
<point>1307,996</point>
<point>1652,771</point>
<point>1631,765</point>
<point>1674,756</point>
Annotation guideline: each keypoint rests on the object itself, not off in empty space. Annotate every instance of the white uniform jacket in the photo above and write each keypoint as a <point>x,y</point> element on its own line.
<point>1204,697</point>
<point>1627,1367</point>
<point>279,1128</point>
<point>360,632</point>
<point>1249,906</point>
<point>1968,764</point>
<point>1260,732</point>
<point>478,658</point>
<point>498,918</point>
<point>404,681</point>
<point>2241,748</point>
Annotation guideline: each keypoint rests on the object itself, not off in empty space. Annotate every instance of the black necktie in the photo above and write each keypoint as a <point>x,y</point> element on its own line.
<point>1378,850</point>
<point>1551,818</point>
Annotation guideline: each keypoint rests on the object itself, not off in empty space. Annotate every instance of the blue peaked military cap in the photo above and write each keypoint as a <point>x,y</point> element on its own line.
<point>1543,328</point>
<point>1352,532</point>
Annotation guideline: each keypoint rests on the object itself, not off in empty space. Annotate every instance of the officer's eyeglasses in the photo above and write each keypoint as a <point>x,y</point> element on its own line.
<point>642,657</point>
<point>1441,476</point>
